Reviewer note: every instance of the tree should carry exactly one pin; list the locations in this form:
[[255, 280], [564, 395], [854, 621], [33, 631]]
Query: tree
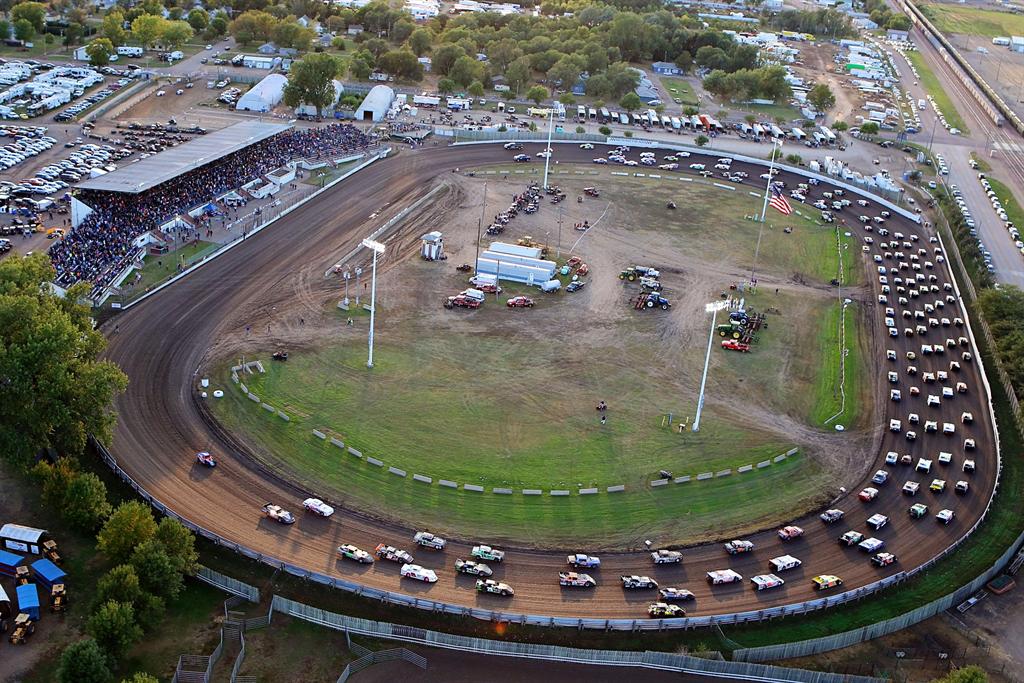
[[630, 102], [869, 128], [898, 22], [114, 629], [444, 58], [581, 129], [965, 674], [99, 51], [253, 26], [519, 72], [604, 130], [702, 140], [360, 68], [32, 12], [176, 33], [130, 525], [311, 81], [338, 43], [567, 98], [294, 35], [840, 126], [465, 70], [73, 33], [83, 662], [140, 677], [537, 93], [198, 19], [218, 25], [120, 584], [24, 30], [821, 97], [446, 86], [566, 71], [401, 64], [112, 28], [147, 28], [401, 30], [420, 41], [85, 502], [49, 353], [158, 572], [476, 89]]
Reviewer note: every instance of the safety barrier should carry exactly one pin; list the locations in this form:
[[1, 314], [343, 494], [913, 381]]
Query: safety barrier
[[371, 658]]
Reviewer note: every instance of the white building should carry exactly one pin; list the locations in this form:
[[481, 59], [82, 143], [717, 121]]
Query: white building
[[259, 62], [309, 110], [1017, 43], [421, 10], [376, 104], [265, 95]]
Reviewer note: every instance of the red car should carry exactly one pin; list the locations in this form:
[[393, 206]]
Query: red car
[[520, 302], [733, 345], [788, 533], [868, 494]]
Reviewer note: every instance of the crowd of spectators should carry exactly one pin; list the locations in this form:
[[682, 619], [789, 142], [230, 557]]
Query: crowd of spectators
[[102, 245]]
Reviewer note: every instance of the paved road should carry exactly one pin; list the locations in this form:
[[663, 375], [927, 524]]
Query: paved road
[[165, 340]]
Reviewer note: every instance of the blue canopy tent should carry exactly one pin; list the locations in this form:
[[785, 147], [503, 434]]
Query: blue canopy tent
[[8, 562], [28, 600], [47, 572]]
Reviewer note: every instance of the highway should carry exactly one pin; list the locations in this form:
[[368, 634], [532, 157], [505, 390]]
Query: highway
[[164, 342]]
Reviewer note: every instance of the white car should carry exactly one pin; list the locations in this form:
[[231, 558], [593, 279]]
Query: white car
[[697, 167], [765, 581], [318, 507], [414, 571], [600, 160], [429, 540], [586, 145]]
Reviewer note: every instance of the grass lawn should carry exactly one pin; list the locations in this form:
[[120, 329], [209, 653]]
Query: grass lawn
[[983, 165], [289, 645], [679, 88], [159, 267], [326, 175], [828, 398], [973, 21], [1009, 202], [936, 89]]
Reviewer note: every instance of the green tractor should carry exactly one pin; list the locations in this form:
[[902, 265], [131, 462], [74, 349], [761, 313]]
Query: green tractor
[[629, 274], [732, 329]]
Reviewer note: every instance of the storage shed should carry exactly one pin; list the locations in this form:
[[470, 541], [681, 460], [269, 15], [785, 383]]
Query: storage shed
[[432, 246], [28, 600], [47, 572], [24, 539], [265, 95], [376, 104], [515, 263], [9, 562]]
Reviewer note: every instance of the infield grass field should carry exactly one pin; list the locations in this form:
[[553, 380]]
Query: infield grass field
[[974, 21]]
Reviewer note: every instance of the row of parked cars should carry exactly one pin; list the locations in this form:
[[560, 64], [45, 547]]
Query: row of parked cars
[[80, 163], [23, 147], [95, 98], [1000, 210]]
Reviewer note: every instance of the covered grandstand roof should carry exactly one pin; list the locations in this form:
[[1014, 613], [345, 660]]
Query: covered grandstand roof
[[171, 163]]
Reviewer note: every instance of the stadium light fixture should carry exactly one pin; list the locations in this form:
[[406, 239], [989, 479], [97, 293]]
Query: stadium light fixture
[[713, 308], [376, 248]]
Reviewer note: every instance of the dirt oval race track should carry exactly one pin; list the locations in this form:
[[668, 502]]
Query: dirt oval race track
[[164, 340]]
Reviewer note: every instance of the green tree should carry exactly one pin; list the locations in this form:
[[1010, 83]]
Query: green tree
[[310, 81], [120, 584], [32, 12], [73, 33], [294, 35], [503, 52], [702, 140], [869, 128], [130, 525], [174, 34], [401, 30], [443, 58], [446, 86], [253, 26], [99, 51], [401, 64], [630, 102], [821, 97], [147, 28], [465, 70], [566, 71], [420, 41], [158, 572], [83, 662], [567, 98], [218, 25], [114, 629], [750, 118], [840, 126], [112, 28], [476, 89], [338, 44], [85, 502], [581, 129], [198, 19], [24, 30], [898, 22], [49, 353], [604, 130], [140, 677], [537, 93], [359, 68], [965, 674], [519, 72]]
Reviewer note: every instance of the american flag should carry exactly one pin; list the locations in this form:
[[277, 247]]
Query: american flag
[[779, 202]]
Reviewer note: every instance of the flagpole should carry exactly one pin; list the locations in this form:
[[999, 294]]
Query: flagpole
[[764, 209]]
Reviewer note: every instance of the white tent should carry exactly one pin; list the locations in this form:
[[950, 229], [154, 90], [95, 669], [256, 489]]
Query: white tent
[[265, 95]]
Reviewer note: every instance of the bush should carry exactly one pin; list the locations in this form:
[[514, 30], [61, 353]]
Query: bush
[[604, 130], [702, 140], [628, 133], [83, 662], [114, 628], [581, 129]]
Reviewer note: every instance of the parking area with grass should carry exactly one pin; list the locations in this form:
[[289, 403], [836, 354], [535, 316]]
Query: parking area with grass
[[934, 87]]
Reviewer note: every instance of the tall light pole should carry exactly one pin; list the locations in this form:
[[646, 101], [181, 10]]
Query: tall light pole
[[713, 309], [764, 207], [547, 156], [377, 248]]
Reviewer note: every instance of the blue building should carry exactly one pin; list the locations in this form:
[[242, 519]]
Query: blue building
[[666, 69]]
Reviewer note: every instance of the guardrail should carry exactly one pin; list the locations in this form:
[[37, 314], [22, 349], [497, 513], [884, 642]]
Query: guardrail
[[570, 622], [371, 658]]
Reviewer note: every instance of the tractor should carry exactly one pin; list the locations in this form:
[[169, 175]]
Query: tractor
[[21, 575], [654, 299], [50, 551], [58, 598], [731, 329], [23, 628]]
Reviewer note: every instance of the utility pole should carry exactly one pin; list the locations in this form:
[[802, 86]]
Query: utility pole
[[479, 227], [547, 156], [377, 248], [558, 250]]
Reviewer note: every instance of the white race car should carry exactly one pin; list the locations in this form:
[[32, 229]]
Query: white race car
[[429, 540], [318, 507], [414, 571]]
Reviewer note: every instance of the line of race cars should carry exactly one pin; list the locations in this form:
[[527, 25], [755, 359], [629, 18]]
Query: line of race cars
[[872, 546]]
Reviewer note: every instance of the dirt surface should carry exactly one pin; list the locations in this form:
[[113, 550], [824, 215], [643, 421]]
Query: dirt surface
[[161, 426]]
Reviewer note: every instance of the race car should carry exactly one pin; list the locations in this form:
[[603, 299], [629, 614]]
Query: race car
[[318, 507], [851, 537], [472, 568], [520, 302], [353, 553], [389, 552], [871, 545], [723, 576], [496, 587], [735, 547], [788, 533], [830, 516], [204, 458], [825, 581], [414, 571], [667, 556], [883, 559], [765, 581], [486, 552], [638, 582], [574, 580], [429, 540], [521, 158], [671, 594], [868, 494], [661, 609], [581, 561], [278, 514]]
